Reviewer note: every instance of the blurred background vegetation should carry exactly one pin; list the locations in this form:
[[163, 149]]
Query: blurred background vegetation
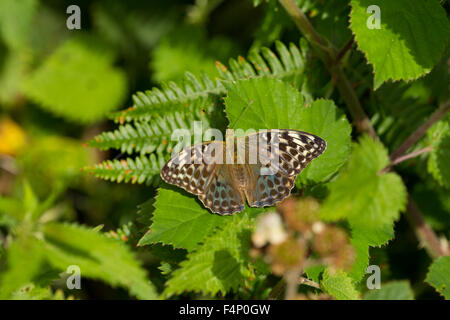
[[58, 86]]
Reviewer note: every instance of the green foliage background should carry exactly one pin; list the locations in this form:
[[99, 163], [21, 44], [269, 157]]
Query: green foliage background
[[78, 107]]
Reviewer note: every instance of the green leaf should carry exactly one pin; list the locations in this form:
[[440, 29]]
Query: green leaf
[[361, 246], [33, 292], [439, 160], [368, 199], [16, 21], [77, 82], [53, 160], [109, 259], [339, 285], [180, 220], [11, 211], [265, 103], [407, 45], [313, 272], [13, 68], [439, 276], [24, 261], [395, 290], [173, 55], [220, 264], [30, 200]]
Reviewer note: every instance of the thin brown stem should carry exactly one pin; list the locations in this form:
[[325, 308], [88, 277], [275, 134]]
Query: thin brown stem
[[280, 287], [345, 48], [410, 155], [406, 157], [308, 282], [360, 118], [420, 132], [277, 290], [425, 234], [307, 29], [327, 52]]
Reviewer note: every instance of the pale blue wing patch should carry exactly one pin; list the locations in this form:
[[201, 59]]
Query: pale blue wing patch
[[221, 196], [268, 189]]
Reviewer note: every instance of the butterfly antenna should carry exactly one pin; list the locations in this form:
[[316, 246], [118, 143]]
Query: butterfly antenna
[[242, 113], [118, 156]]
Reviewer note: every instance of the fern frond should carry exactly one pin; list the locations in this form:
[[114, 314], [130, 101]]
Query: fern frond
[[196, 93], [147, 137], [140, 170], [197, 107]]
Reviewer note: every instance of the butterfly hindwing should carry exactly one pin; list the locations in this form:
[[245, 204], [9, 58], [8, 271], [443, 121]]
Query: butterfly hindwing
[[266, 190], [222, 195]]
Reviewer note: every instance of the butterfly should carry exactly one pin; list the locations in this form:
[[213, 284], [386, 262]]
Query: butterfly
[[259, 167]]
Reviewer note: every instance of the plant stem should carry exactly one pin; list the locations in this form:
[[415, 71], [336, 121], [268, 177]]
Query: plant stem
[[277, 290], [345, 48], [426, 236], [420, 132], [308, 282], [411, 155], [307, 28], [406, 157], [360, 118], [327, 52]]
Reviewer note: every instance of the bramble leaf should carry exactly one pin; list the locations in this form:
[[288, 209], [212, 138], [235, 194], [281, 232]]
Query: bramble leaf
[[266, 103], [220, 264], [339, 285], [369, 199], [439, 276], [77, 82], [361, 246], [407, 45], [395, 290], [439, 160], [16, 21], [314, 272], [180, 220], [24, 251]]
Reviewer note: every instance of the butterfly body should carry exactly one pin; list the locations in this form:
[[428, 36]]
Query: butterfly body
[[260, 168]]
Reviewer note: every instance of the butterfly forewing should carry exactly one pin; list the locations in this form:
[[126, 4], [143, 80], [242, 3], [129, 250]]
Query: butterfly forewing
[[195, 170], [291, 149], [189, 169], [282, 155]]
